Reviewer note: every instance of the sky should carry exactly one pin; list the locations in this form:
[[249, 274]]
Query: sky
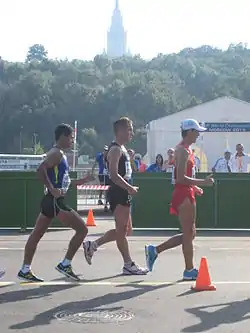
[[76, 29]]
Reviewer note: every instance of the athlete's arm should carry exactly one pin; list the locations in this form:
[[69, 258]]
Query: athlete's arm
[[82, 181], [52, 159], [181, 159], [113, 159]]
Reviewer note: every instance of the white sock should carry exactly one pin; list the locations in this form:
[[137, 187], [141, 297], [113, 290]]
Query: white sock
[[189, 270], [66, 262], [25, 269]]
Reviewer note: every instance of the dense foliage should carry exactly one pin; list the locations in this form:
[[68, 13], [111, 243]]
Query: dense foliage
[[38, 94]]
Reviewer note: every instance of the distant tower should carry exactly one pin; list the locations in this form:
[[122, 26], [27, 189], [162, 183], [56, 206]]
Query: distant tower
[[116, 36]]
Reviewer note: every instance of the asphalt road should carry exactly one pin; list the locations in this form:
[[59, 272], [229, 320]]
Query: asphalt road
[[104, 301]]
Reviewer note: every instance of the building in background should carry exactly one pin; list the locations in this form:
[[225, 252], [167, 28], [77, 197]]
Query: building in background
[[117, 36], [229, 122]]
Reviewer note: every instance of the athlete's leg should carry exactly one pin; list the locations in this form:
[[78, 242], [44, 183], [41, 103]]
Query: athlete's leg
[[187, 211], [71, 219], [129, 226], [152, 251], [187, 217], [123, 226], [110, 236], [41, 226], [122, 220]]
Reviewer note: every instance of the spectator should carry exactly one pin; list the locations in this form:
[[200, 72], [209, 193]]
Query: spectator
[[224, 164], [169, 163], [157, 166], [134, 163], [240, 160], [142, 165], [197, 162], [102, 173]]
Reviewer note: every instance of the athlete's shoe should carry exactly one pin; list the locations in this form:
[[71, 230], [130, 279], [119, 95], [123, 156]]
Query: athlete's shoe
[[151, 256], [28, 276], [190, 275], [89, 250], [2, 273], [67, 271], [134, 269]]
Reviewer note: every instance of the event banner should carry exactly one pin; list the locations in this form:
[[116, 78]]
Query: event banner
[[226, 127]]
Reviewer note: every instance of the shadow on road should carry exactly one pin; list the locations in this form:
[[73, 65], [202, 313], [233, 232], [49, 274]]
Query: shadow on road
[[227, 313], [30, 294], [93, 304]]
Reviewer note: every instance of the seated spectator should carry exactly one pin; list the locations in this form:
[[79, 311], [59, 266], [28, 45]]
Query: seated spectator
[[224, 164], [169, 163], [142, 165], [240, 160], [157, 166], [134, 163]]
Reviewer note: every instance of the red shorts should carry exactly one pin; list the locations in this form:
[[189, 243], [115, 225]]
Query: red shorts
[[179, 195]]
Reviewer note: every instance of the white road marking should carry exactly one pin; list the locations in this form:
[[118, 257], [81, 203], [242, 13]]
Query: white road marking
[[11, 248], [112, 283], [230, 248]]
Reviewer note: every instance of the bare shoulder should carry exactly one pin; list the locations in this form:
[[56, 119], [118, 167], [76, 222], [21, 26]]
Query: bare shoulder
[[53, 157], [114, 152], [181, 151]]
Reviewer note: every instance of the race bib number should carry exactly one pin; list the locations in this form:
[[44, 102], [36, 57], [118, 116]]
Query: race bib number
[[128, 169], [173, 178], [66, 182]]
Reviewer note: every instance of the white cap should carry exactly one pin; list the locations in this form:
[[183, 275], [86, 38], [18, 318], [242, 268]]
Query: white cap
[[189, 124], [227, 150]]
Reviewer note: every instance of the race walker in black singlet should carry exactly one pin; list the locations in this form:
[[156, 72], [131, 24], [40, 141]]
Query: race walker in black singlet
[[119, 193], [116, 194]]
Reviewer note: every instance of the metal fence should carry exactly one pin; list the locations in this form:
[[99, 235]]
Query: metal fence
[[93, 194]]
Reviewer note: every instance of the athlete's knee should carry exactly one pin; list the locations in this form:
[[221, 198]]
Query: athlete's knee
[[189, 232], [121, 229], [81, 229]]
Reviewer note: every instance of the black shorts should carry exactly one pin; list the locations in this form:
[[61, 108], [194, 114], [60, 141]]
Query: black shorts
[[103, 179], [118, 196], [50, 206]]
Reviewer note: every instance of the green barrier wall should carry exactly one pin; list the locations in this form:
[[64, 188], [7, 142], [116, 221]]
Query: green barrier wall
[[223, 206], [20, 197]]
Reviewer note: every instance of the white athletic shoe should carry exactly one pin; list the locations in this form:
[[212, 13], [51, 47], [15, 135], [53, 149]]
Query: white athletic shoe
[[134, 269], [89, 250]]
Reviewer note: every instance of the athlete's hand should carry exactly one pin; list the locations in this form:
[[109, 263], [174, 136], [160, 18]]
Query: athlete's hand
[[209, 181], [133, 190], [56, 192], [198, 190]]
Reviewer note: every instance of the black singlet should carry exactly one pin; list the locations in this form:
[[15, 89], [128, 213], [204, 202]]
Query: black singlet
[[124, 166]]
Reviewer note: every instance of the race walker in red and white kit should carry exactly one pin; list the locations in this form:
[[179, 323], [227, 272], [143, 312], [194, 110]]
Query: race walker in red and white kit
[[183, 203]]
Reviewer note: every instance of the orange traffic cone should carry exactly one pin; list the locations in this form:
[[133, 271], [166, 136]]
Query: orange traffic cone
[[203, 281], [90, 219]]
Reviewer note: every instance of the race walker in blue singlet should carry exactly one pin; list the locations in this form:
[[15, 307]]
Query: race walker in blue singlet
[[54, 174], [60, 179]]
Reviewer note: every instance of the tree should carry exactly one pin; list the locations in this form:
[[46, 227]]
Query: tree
[[36, 52], [37, 95]]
